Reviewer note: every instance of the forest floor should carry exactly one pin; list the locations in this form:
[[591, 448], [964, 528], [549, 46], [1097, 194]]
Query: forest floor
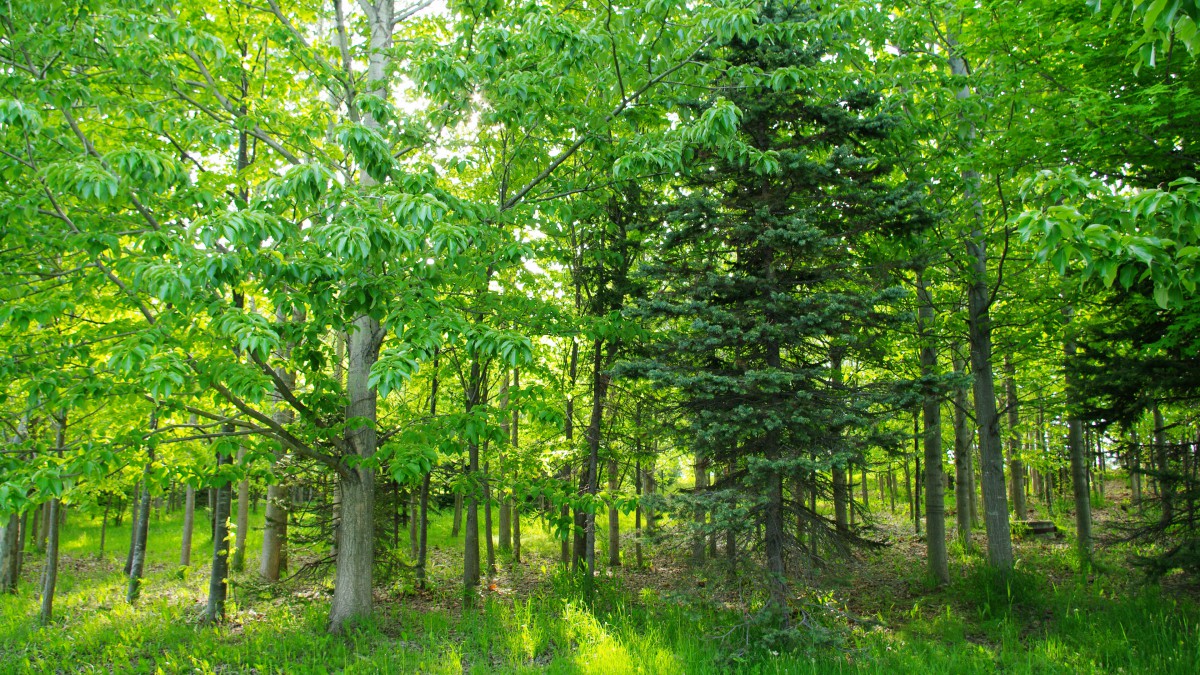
[[876, 613]]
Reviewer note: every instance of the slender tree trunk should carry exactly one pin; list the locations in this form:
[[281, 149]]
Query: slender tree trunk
[[515, 503], [243, 517], [504, 503], [935, 503], [141, 528], [1016, 467], [841, 492], [423, 531], [45, 527], [471, 566], [516, 524], [50, 576], [189, 519], [995, 498], [569, 436], [637, 513], [214, 611], [487, 519], [1166, 487], [701, 473], [1135, 470], [600, 381], [9, 552], [962, 459], [423, 525], [456, 522], [273, 558], [134, 524], [1083, 497], [414, 510], [103, 530], [614, 518]]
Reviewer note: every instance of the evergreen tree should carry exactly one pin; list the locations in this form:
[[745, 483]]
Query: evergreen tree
[[762, 308]]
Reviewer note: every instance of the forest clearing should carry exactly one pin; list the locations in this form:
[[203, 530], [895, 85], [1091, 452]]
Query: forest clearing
[[646, 336]]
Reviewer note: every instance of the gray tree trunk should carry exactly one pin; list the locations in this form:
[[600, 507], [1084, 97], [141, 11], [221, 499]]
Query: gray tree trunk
[[935, 505], [701, 473], [614, 518], [991, 452], [352, 595], [50, 576], [962, 460], [189, 519], [141, 531], [1079, 468], [9, 553], [1016, 467], [243, 518]]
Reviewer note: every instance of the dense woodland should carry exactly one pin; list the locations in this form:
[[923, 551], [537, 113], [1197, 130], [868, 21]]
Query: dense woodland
[[625, 336]]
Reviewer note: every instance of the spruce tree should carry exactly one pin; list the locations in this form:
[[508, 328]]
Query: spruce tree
[[759, 290]]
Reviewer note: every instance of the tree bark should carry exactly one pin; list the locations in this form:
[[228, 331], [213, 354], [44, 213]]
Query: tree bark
[[1166, 487], [600, 381], [1079, 482], [50, 576], [841, 495], [1016, 467], [214, 610], [504, 506], [935, 504], [243, 517], [352, 598], [141, 525], [614, 517], [701, 472], [189, 519], [423, 525], [962, 459], [991, 453], [9, 553]]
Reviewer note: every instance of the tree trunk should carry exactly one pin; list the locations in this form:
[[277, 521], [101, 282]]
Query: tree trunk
[[243, 517], [45, 527], [514, 505], [991, 453], [141, 528], [841, 495], [487, 519], [1166, 487], [962, 459], [600, 381], [614, 518], [189, 519], [701, 472], [103, 530], [356, 533], [935, 504], [505, 525], [1083, 496], [9, 553], [134, 524], [218, 577], [637, 513], [423, 525], [773, 532], [1016, 467], [50, 575], [471, 566]]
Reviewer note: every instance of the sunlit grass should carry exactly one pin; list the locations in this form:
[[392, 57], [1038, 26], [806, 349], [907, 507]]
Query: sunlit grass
[[1046, 619]]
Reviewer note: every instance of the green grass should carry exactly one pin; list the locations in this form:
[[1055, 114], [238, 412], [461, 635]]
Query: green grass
[[1043, 619]]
